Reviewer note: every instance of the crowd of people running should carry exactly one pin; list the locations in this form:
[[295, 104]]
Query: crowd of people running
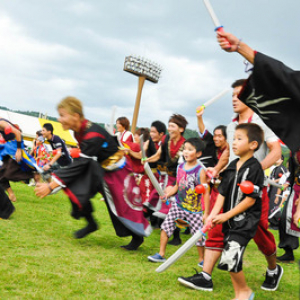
[[202, 179]]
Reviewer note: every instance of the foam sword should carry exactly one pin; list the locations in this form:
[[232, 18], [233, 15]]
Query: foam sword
[[184, 248], [149, 171], [213, 99], [218, 26]]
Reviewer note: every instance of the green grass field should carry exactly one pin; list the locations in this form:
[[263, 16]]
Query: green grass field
[[41, 260]]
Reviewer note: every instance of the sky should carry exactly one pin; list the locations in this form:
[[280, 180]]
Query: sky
[[58, 48]]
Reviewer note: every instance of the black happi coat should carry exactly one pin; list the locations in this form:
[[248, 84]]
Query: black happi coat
[[273, 92], [151, 151], [209, 155], [242, 227], [83, 178]]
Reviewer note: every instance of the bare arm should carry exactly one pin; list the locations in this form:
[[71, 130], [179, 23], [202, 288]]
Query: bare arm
[[241, 207], [278, 193], [218, 206], [171, 190], [236, 46], [155, 157], [44, 189], [53, 160], [223, 161], [134, 154], [199, 113], [206, 195], [273, 155]]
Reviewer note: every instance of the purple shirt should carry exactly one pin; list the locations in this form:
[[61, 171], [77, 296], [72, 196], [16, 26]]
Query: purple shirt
[[187, 180]]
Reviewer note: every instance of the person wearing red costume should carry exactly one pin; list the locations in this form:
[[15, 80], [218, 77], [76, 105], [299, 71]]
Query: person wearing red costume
[[102, 169], [134, 153], [170, 151], [157, 136], [215, 157], [123, 134]]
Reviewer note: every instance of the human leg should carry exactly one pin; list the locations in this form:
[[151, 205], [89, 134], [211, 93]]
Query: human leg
[[287, 241], [6, 186], [11, 195], [265, 241], [167, 229], [210, 259], [200, 253], [288, 256], [86, 212], [232, 261], [241, 289], [91, 227], [176, 238], [160, 257], [213, 249], [135, 242], [202, 281], [196, 222], [6, 206]]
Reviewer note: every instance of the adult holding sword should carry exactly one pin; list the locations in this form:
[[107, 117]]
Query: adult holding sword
[[215, 156]]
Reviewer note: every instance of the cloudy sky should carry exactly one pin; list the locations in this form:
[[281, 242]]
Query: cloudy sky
[[51, 49]]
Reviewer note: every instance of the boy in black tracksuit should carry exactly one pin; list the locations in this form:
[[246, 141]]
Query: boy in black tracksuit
[[241, 207]]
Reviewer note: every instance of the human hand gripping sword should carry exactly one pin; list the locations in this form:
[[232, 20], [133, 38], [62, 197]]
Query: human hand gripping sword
[[208, 174], [150, 173], [213, 99]]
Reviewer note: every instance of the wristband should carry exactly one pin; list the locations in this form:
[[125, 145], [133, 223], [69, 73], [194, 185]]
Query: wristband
[[144, 159], [238, 45], [50, 188], [19, 145]]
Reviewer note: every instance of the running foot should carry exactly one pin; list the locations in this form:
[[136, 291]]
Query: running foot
[[81, 233], [12, 198], [157, 258], [271, 282], [200, 264], [286, 258], [197, 282], [134, 244], [175, 242]]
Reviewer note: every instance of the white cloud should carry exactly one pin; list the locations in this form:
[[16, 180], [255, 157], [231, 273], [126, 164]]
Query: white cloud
[[80, 8], [18, 45], [78, 48]]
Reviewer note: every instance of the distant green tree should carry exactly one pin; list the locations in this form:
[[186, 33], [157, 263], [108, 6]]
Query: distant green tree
[[190, 133]]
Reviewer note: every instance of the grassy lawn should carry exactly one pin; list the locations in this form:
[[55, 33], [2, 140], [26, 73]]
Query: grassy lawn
[[41, 260]]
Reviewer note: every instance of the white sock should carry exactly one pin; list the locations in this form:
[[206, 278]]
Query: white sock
[[206, 276], [272, 272]]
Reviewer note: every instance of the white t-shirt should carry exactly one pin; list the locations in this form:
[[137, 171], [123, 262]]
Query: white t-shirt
[[269, 135]]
